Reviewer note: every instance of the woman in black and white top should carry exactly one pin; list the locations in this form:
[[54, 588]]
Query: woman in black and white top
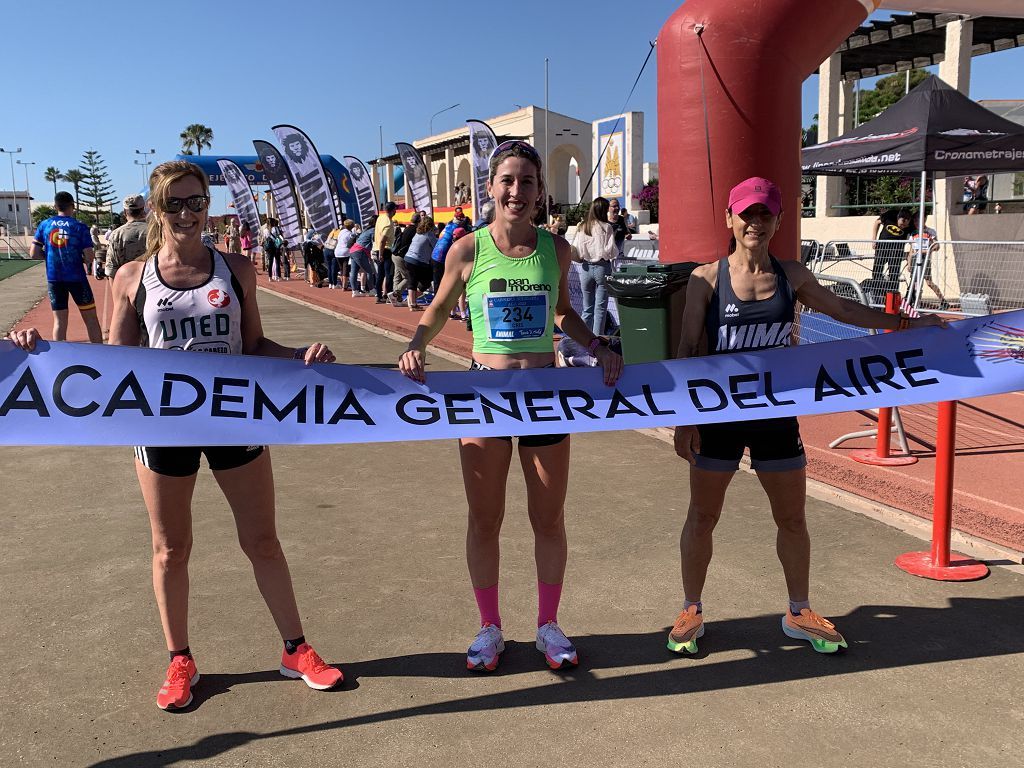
[[595, 243], [190, 297]]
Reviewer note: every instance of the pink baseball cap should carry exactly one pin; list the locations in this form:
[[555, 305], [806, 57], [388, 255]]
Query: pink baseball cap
[[755, 190]]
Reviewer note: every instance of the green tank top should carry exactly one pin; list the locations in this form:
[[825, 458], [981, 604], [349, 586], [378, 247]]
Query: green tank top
[[512, 301]]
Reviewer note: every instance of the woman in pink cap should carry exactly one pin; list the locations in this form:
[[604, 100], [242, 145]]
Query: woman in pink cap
[[741, 303]]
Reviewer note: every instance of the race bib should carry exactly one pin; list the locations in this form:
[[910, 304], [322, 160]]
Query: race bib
[[515, 316]]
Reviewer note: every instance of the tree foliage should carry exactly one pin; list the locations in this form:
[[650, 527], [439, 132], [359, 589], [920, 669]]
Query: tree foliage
[[196, 136], [53, 174], [74, 177], [887, 91], [649, 199], [41, 212], [97, 191]]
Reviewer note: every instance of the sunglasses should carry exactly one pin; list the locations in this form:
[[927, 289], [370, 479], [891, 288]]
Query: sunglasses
[[195, 203], [505, 146]]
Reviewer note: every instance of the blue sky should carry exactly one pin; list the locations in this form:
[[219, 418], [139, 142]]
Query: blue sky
[[116, 76]]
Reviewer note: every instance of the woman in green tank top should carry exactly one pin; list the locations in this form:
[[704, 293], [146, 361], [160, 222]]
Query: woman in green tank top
[[514, 276]]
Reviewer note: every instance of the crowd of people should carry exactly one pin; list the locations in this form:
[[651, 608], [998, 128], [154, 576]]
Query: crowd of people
[[466, 268]]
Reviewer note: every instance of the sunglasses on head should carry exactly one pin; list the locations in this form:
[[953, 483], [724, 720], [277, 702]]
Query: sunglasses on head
[[505, 146], [195, 203]]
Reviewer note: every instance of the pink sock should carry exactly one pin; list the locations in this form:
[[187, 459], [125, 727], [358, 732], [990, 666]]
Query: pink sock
[[548, 596], [487, 602]]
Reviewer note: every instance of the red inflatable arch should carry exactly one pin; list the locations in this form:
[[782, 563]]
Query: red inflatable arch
[[729, 80]]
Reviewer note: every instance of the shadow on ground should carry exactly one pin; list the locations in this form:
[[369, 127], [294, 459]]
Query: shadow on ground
[[881, 637]]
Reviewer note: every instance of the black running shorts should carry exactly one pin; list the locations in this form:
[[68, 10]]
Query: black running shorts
[[774, 444], [183, 462]]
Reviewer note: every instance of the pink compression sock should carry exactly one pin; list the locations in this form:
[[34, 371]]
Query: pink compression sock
[[548, 596], [487, 602]]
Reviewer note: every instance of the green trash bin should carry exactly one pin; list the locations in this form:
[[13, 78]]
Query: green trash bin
[[649, 296]]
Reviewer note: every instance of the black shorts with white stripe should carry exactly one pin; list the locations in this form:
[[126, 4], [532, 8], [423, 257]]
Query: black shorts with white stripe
[[183, 462]]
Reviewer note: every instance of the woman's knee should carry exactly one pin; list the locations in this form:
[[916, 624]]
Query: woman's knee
[[791, 522], [702, 520], [548, 523], [262, 547], [485, 524], [169, 555]]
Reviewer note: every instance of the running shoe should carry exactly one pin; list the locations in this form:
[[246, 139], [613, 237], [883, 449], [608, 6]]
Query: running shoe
[[306, 664], [558, 650], [817, 630], [688, 627], [486, 650], [176, 692]]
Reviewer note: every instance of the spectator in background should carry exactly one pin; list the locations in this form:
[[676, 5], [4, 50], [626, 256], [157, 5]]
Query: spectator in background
[[313, 257], [630, 221], [360, 260], [99, 252], [595, 243], [330, 244], [445, 238], [402, 242], [275, 249], [619, 228], [346, 236], [128, 242], [925, 244], [246, 241], [383, 241], [892, 240], [979, 196], [234, 238], [417, 260], [66, 245]]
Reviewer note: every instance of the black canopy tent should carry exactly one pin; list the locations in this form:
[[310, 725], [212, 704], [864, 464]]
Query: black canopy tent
[[933, 129]]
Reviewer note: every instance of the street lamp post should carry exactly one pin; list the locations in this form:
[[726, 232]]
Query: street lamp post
[[26, 164], [146, 162], [453, 106], [12, 153]]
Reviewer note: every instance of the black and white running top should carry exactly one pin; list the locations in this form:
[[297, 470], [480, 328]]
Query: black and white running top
[[207, 318], [734, 325]]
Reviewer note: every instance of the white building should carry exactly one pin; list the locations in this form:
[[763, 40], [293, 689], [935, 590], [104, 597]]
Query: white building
[[569, 147], [15, 213]]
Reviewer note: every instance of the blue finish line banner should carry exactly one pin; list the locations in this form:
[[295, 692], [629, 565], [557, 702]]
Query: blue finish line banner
[[83, 394]]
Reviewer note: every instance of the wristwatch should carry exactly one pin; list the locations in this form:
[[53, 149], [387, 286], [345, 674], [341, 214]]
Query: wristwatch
[[597, 341]]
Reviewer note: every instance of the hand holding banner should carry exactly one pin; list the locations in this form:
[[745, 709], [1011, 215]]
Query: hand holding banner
[[83, 394]]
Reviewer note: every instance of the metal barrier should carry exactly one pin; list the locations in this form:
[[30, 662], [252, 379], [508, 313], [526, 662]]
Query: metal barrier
[[640, 250], [955, 277], [809, 250], [9, 250]]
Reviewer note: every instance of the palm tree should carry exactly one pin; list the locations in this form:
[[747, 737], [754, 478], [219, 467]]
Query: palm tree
[[74, 177], [53, 174], [196, 135]]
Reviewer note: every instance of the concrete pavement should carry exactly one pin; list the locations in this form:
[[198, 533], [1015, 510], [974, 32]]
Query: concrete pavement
[[374, 535]]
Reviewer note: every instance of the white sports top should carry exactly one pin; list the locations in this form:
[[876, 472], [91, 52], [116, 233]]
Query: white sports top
[[207, 318]]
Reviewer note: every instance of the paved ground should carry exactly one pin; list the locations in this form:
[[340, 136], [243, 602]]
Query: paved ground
[[375, 539]]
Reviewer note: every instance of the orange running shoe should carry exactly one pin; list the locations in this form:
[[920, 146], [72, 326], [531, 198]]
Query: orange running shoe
[[688, 627], [176, 692], [817, 630], [306, 664]]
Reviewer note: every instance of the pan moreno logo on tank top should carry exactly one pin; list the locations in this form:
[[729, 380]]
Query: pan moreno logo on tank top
[[517, 284]]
